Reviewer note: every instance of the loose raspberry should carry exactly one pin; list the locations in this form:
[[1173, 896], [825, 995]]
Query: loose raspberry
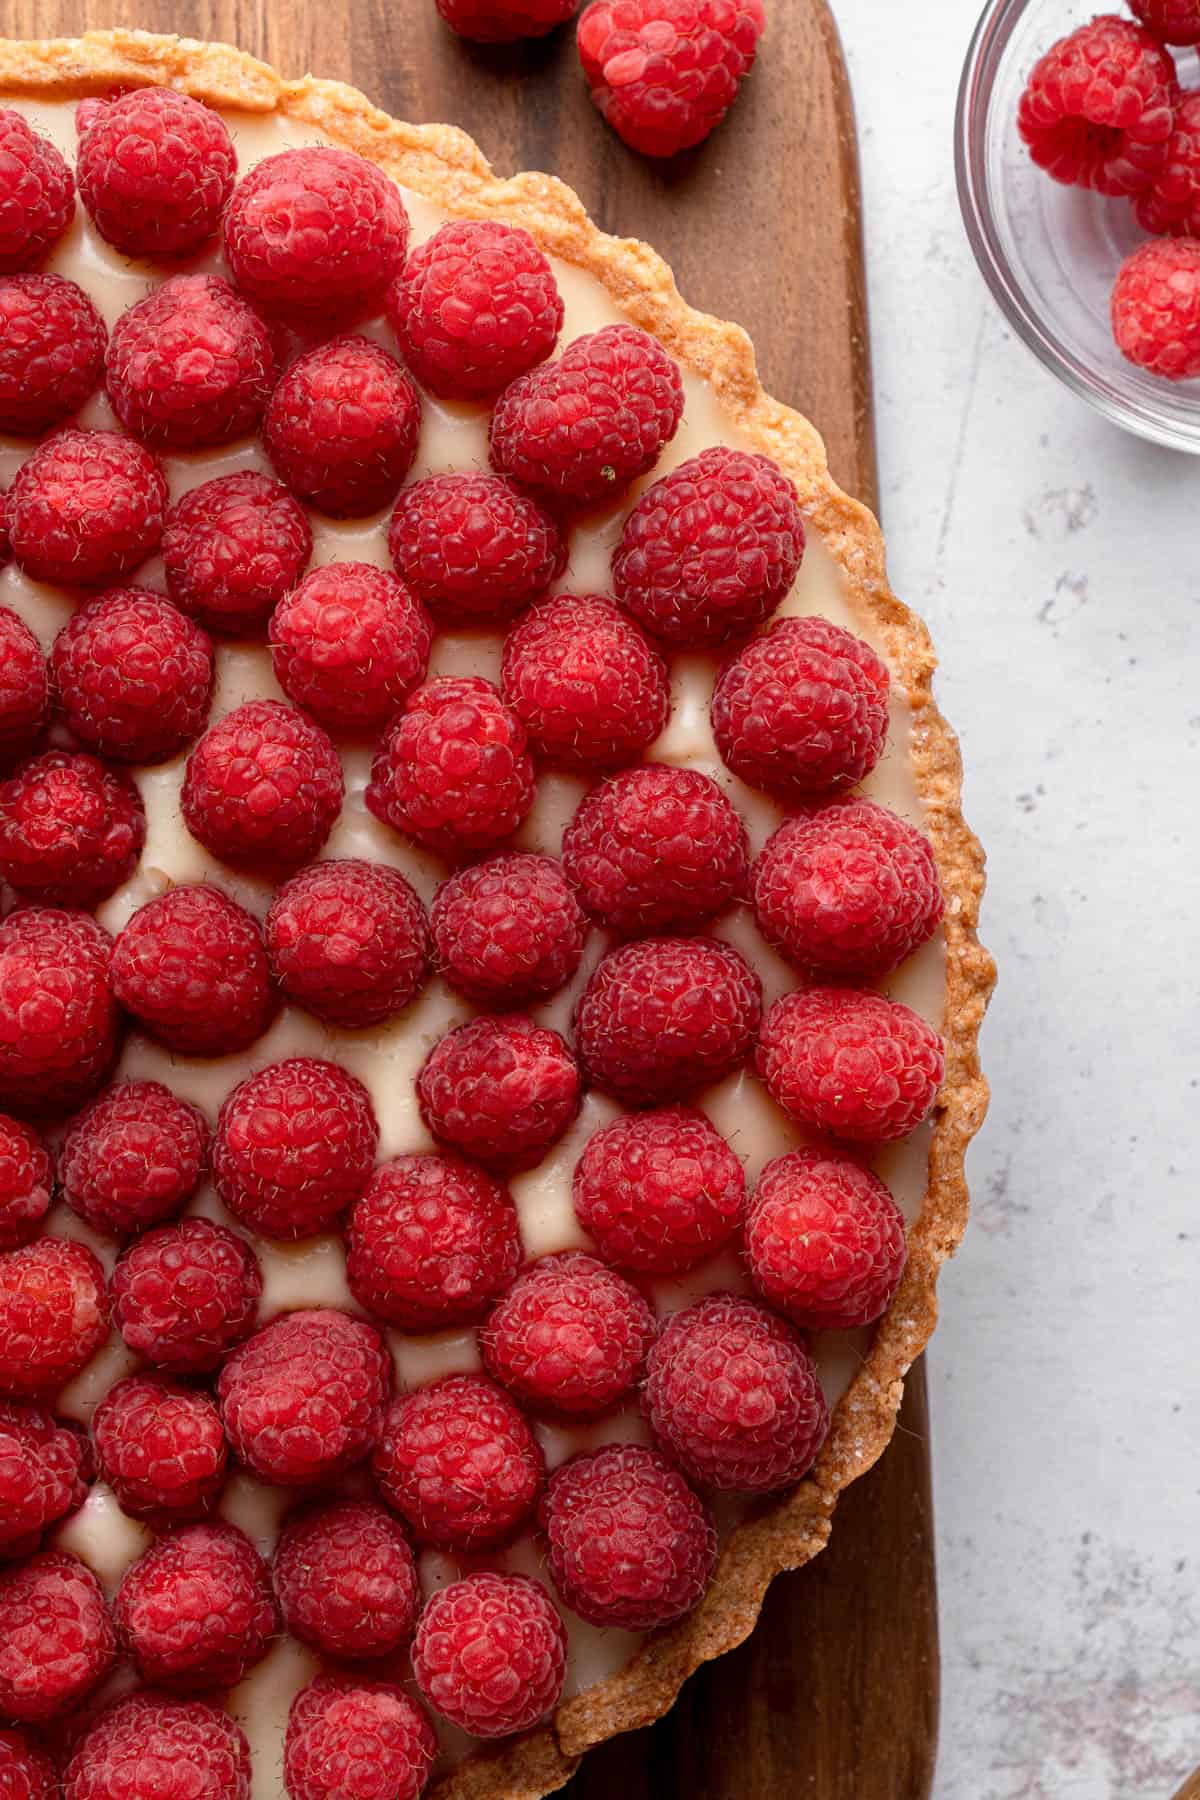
[[431, 1243], [86, 508], [732, 1395], [37, 194], [133, 1158], [349, 645], [504, 21], [134, 676], [43, 1477], [1171, 205], [155, 172], [71, 831], [348, 941], [452, 772], [501, 1090], [263, 786], [490, 1653], [24, 683], [341, 428], [356, 1740], [5, 546], [475, 306], [824, 1240], [191, 968], [232, 549], [664, 1016], [304, 1398], [26, 1183], [346, 1580], [853, 1065], [148, 1747], [161, 1448], [569, 1337], [196, 1610], [458, 1461], [294, 1146], [1156, 308], [185, 1294], [59, 1027], [26, 1772], [476, 549], [659, 1191], [57, 1642], [665, 72], [1097, 109], [53, 1316], [1170, 21], [51, 351], [509, 931], [630, 1544]]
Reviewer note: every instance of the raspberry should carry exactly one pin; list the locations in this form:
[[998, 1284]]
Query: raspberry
[[147, 1747], [349, 1739], [196, 1610], [1171, 21], [1156, 308], [263, 786], [294, 1146], [476, 549], [304, 1398], [458, 1461], [51, 351], [1171, 205], [133, 1157], [185, 1294], [341, 428], [431, 1242], [824, 1240], [500, 1089], [665, 72], [191, 968], [86, 508], [37, 194], [1097, 109], [71, 831], [26, 1183], [59, 1026], [134, 676], [659, 1191], [26, 1773], [732, 1395], [57, 1640], [490, 1653], [504, 21], [346, 1580], [42, 1479], [53, 1316], [475, 306], [569, 1337], [24, 683], [802, 710], [233, 548], [852, 1065], [349, 645], [155, 172], [349, 942], [316, 234], [452, 771], [629, 1543], [509, 931], [161, 1448], [664, 1016]]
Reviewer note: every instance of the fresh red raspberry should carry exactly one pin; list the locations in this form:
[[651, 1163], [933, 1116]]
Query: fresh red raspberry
[[431, 1243], [26, 1183], [24, 682], [802, 710], [294, 1146], [349, 644], [664, 1016], [197, 1610], [71, 831], [1097, 109], [191, 968], [26, 1772], [5, 546], [304, 1398], [148, 1747], [452, 771], [341, 428], [853, 1065], [509, 931], [1156, 308], [86, 508], [133, 1157], [476, 549], [659, 1191], [1171, 205], [346, 1580], [824, 1240], [350, 1739], [475, 306], [348, 941], [37, 194], [59, 1026], [504, 21], [185, 1294], [58, 1640], [134, 676], [53, 1316], [155, 172], [51, 351], [665, 72], [263, 786], [232, 549], [43, 1477], [490, 1653], [711, 549], [459, 1462], [629, 1543], [569, 1337], [1170, 21], [316, 234], [500, 1089], [161, 1448]]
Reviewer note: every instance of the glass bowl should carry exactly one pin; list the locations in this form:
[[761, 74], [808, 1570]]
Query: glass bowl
[[1050, 253]]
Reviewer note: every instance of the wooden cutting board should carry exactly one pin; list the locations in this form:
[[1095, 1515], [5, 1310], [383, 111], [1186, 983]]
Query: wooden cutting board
[[835, 1696]]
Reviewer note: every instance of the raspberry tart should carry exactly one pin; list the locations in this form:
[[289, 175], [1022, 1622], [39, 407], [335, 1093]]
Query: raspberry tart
[[488, 986]]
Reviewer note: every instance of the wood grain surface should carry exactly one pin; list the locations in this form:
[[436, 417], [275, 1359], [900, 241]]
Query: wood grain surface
[[835, 1696]]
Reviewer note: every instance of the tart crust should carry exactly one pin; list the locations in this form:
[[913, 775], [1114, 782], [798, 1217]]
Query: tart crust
[[448, 168]]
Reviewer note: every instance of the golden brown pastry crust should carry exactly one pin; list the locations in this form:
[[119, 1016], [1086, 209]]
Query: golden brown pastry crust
[[448, 168]]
